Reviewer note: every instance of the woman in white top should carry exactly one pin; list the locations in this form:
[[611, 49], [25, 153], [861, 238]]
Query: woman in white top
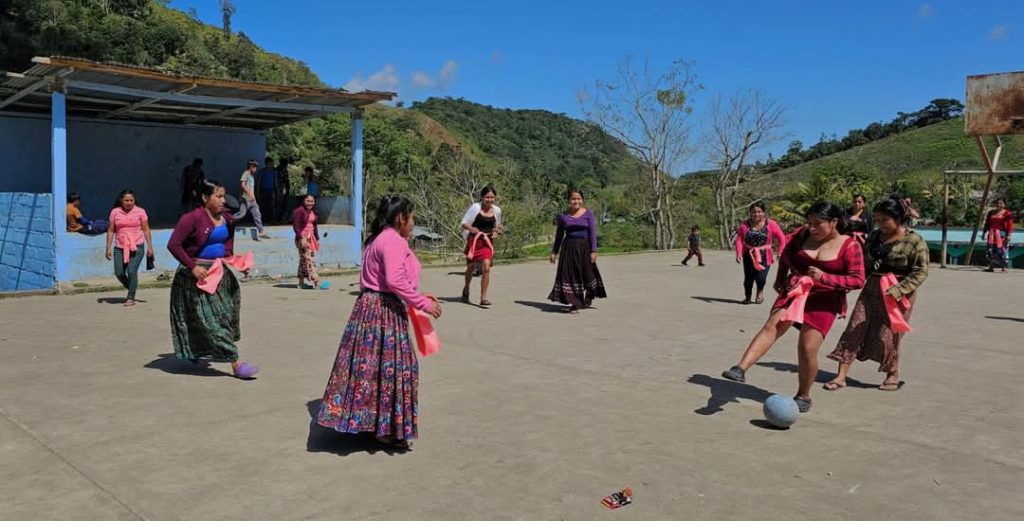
[[481, 222]]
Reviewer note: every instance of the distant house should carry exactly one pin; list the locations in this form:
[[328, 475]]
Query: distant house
[[425, 239]]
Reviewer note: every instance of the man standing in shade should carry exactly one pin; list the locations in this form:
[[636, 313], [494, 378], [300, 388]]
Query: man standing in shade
[[268, 187]]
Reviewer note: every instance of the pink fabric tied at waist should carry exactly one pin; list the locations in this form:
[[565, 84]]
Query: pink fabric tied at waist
[[757, 257], [798, 300], [128, 245], [426, 338], [892, 305], [314, 244], [471, 254], [216, 271], [996, 238]]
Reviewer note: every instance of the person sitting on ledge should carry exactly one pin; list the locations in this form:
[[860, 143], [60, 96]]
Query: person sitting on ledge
[[77, 222]]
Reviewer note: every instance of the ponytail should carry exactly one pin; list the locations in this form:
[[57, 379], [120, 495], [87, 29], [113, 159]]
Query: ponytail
[[389, 208]]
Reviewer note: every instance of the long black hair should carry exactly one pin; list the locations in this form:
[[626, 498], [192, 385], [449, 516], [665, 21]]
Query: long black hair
[[120, 197], [387, 211], [488, 190], [894, 206], [830, 212]]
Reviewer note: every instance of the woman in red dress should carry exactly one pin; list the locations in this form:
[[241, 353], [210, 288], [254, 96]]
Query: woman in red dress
[[818, 267], [998, 232]]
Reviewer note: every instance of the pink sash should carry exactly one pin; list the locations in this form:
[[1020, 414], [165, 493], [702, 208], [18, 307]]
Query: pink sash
[[757, 256], [314, 244], [995, 238], [892, 305], [128, 245], [426, 338], [471, 254], [797, 300], [216, 272]]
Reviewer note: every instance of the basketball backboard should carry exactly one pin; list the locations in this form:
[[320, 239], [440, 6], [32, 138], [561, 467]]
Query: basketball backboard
[[995, 104]]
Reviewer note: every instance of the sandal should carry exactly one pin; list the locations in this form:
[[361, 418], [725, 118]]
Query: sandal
[[891, 386], [129, 303], [485, 302], [760, 300], [736, 374], [834, 385], [803, 403], [745, 301]]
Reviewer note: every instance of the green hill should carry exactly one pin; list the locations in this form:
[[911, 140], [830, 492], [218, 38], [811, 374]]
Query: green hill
[[910, 162]]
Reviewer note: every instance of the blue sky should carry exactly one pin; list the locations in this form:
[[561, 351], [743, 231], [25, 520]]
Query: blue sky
[[835, 65]]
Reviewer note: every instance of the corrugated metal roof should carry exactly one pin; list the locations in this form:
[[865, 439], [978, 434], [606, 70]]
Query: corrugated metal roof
[[118, 91]]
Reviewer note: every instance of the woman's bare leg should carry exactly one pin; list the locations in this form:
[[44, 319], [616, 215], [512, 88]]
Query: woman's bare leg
[[807, 354], [485, 280], [772, 330]]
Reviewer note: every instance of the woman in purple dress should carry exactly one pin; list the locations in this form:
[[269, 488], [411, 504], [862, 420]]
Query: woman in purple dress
[[577, 282]]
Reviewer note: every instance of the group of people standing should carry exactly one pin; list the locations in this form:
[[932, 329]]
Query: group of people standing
[[833, 253]]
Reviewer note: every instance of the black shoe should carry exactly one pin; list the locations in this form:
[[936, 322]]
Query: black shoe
[[804, 404], [736, 374]]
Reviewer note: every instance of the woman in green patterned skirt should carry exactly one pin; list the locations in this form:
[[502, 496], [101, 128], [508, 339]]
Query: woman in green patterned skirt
[[204, 325]]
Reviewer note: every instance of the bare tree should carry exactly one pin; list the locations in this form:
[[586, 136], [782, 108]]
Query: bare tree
[[738, 127], [649, 112], [227, 8]]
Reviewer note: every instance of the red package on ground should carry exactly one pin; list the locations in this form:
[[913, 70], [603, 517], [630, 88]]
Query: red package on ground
[[618, 499]]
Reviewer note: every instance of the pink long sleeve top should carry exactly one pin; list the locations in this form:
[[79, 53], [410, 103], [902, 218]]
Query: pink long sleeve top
[[774, 235], [390, 266]]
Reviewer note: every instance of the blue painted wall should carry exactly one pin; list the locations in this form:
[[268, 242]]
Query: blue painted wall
[[107, 157], [26, 242], [274, 256]]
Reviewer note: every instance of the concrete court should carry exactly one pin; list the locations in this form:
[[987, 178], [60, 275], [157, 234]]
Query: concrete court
[[525, 414]]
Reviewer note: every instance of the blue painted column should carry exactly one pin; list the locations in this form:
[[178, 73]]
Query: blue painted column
[[356, 202], [59, 183]]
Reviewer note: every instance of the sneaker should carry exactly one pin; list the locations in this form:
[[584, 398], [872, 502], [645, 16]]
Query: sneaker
[[736, 374], [802, 403]]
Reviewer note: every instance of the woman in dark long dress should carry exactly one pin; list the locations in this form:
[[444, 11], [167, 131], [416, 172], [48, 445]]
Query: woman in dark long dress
[[577, 281], [897, 265]]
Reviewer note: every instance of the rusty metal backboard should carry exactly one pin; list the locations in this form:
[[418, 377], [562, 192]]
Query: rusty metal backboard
[[995, 104]]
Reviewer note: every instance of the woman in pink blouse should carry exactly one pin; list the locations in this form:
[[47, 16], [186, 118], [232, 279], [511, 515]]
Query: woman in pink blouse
[[754, 250], [129, 225], [373, 386]]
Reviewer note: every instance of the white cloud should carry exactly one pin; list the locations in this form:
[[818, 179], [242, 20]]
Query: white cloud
[[999, 32], [444, 78], [925, 10], [386, 79]]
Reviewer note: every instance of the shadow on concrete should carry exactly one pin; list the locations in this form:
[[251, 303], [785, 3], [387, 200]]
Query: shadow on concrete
[[322, 439], [763, 424], [822, 377], [287, 286], [458, 300], [1011, 319], [547, 307], [169, 364], [718, 300], [117, 300], [725, 391]]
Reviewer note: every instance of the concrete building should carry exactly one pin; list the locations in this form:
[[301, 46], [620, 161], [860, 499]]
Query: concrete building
[[72, 125]]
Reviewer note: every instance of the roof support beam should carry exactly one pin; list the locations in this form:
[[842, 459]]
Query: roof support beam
[[218, 115], [143, 103], [23, 92], [205, 100]]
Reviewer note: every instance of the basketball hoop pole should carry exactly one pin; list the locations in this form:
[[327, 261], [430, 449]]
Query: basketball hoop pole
[[991, 163]]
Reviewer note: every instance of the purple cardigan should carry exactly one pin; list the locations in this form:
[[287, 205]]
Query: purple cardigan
[[299, 217], [582, 227], [191, 233]]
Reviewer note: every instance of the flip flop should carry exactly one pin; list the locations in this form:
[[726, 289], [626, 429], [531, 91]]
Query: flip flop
[[888, 387], [485, 302], [833, 385]]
